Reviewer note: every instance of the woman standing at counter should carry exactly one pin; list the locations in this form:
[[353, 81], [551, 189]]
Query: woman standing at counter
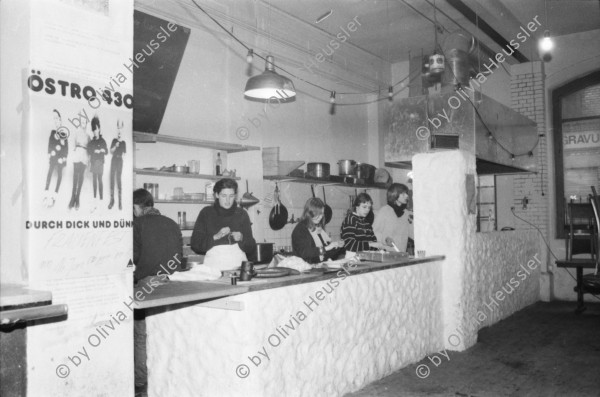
[[393, 223], [357, 233], [310, 241], [223, 224]]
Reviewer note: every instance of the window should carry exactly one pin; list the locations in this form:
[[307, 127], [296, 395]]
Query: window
[[576, 123]]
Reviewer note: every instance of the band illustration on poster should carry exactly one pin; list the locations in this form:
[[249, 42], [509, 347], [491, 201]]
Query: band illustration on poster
[[84, 173], [89, 153], [75, 180]]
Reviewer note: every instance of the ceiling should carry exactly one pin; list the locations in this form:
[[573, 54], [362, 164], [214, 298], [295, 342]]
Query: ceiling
[[393, 29]]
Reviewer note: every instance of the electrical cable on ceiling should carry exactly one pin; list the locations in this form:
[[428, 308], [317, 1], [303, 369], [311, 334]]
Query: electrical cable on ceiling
[[286, 71], [425, 16]]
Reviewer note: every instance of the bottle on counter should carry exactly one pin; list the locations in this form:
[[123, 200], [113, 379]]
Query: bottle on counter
[[218, 164], [179, 218]]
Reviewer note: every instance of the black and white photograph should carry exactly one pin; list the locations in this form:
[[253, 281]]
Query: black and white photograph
[[311, 198]]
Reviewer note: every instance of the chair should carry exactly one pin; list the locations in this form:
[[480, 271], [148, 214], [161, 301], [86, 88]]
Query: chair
[[583, 237], [580, 230], [591, 282]]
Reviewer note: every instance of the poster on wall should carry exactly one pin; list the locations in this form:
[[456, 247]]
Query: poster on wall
[[79, 216], [76, 227]]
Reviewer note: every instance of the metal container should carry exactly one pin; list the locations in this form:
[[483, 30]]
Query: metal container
[[264, 253], [317, 170], [366, 172], [347, 167]]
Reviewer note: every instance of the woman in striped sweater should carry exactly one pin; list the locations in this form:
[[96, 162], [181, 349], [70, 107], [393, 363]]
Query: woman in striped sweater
[[357, 233]]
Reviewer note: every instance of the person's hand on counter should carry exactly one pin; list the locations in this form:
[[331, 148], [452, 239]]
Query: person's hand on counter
[[222, 233]]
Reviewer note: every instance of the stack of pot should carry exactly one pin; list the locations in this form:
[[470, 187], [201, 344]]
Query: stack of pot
[[357, 170]]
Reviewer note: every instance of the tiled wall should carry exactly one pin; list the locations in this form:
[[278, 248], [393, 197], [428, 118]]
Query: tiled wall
[[527, 95]]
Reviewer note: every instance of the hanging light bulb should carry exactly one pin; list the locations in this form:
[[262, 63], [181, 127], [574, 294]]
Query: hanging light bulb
[[269, 84], [391, 93], [332, 101], [250, 55], [545, 46]]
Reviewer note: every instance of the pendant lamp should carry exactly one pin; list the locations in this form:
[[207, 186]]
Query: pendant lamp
[[269, 84]]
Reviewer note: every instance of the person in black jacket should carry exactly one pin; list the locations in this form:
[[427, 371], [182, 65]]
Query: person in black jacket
[[310, 241], [157, 252]]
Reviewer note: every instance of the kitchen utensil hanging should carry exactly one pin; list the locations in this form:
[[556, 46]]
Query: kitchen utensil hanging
[[279, 214], [248, 199], [328, 212]]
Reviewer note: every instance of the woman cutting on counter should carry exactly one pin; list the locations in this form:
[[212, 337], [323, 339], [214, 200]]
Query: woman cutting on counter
[[357, 233], [393, 223], [310, 241], [222, 231]]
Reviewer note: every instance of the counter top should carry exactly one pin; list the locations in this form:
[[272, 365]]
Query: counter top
[[175, 292], [20, 304], [12, 295]]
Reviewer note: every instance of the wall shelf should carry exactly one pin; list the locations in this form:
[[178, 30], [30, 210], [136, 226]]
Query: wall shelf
[[183, 201], [141, 171], [144, 137], [323, 182]]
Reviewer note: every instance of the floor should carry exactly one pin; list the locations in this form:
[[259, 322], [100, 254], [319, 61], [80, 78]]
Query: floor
[[543, 350]]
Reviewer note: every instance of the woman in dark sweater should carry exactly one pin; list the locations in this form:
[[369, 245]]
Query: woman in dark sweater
[[357, 233], [309, 239], [223, 223]]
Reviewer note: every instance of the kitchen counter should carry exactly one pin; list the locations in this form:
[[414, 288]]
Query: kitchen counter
[[20, 304], [176, 292], [280, 336]]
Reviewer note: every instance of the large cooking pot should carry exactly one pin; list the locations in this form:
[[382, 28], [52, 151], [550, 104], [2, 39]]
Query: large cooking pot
[[366, 172], [347, 167], [264, 253], [317, 170]]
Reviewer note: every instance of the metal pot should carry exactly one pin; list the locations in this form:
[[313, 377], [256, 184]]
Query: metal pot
[[264, 253], [317, 170], [366, 172], [182, 169], [347, 167]]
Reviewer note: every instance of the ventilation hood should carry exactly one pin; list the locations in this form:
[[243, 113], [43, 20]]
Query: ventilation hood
[[459, 120]]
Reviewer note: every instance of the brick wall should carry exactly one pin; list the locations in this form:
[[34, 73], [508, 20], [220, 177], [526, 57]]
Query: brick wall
[[527, 97]]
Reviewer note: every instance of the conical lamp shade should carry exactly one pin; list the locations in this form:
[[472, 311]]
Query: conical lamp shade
[[269, 85]]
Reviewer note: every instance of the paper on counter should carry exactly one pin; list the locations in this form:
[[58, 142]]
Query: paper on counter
[[197, 273]]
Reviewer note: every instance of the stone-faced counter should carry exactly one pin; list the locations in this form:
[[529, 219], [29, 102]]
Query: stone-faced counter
[[306, 335]]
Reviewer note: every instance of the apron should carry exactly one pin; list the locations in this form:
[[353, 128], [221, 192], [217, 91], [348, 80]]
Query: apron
[[225, 257]]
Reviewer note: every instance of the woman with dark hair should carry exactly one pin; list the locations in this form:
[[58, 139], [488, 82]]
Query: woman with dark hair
[[357, 233], [310, 241], [393, 223], [97, 149], [222, 225]]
